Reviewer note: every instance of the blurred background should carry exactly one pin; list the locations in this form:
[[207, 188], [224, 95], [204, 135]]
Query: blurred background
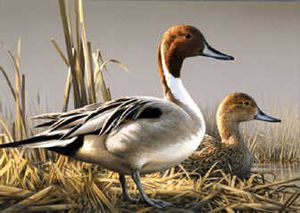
[[263, 36]]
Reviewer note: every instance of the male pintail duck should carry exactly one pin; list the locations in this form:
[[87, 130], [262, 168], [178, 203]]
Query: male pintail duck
[[231, 153], [135, 135]]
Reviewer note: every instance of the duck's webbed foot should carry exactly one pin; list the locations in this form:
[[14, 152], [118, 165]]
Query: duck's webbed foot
[[153, 202], [158, 203]]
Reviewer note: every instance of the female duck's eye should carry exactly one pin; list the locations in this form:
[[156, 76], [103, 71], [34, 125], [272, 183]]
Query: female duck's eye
[[188, 36], [247, 103]]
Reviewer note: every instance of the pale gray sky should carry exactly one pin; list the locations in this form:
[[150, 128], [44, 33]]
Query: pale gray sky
[[264, 37]]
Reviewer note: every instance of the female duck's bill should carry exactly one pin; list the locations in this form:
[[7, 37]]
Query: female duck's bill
[[264, 117]]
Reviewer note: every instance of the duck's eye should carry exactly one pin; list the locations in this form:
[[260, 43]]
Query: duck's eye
[[188, 36], [247, 103]]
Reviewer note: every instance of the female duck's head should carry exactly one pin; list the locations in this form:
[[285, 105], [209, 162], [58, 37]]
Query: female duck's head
[[239, 107]]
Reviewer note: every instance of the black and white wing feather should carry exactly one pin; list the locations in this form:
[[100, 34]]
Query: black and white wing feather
[[100, 119]]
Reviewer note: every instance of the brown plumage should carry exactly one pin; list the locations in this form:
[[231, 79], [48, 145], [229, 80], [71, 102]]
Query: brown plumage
[[231, 154]]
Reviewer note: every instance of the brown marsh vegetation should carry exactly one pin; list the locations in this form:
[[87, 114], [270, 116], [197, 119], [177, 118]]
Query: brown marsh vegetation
[[35, 180]]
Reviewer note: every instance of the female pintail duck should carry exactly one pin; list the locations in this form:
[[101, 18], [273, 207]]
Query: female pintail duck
[[136, 135], [231, 153]]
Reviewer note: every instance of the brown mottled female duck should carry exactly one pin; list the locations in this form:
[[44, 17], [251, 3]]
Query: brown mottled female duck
[[231, 153]]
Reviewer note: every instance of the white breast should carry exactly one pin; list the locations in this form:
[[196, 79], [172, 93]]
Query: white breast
[[171, 155]]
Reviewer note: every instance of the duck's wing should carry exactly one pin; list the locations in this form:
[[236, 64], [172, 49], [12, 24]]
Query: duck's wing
[[110, 116], [99, 119], [49, 119], [208, 149]]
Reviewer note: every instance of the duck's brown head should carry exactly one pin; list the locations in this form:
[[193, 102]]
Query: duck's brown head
[[183, 41], [177, 43], [239, 107]]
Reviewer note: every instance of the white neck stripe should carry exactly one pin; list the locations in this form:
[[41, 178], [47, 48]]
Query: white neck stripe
[[176, 86]]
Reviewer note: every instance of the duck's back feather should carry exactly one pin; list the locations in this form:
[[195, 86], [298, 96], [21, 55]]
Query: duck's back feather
[[231, 159]]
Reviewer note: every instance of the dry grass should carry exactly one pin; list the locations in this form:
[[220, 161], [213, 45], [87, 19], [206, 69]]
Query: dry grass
[[67, 184], [39, 181], [84, 72]]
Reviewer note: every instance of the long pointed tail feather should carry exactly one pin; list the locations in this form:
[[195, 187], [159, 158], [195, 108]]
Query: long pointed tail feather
[[40, 141]]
